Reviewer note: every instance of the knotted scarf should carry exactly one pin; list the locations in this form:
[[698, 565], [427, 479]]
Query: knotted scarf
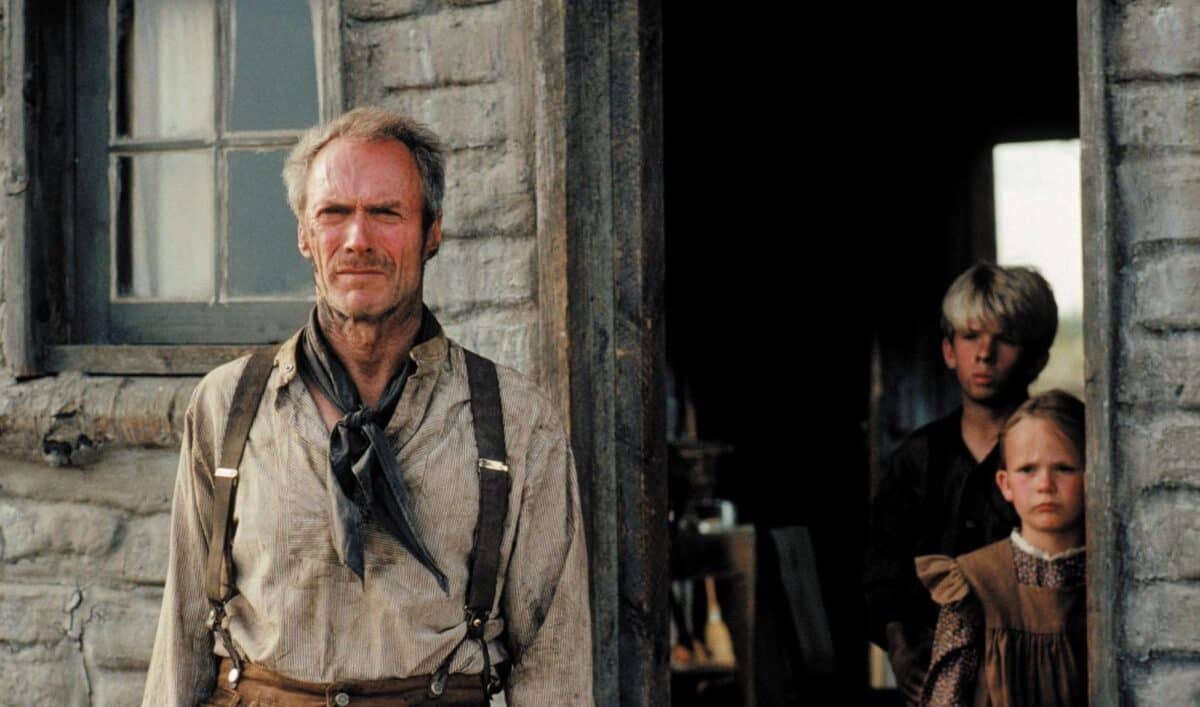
[[361, 459]]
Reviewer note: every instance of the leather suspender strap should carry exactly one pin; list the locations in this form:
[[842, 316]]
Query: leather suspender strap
[[494, 485], [219, 582]]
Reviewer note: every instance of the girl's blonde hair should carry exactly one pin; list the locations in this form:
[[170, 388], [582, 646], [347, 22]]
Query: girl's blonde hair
[[1058, 406]]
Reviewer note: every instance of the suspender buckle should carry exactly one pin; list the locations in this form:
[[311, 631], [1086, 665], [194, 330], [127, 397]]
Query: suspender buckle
[[493, 465], [226, 472], [475, 622]]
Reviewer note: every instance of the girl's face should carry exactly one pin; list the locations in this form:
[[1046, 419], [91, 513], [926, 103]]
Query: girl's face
[[1043, 479]]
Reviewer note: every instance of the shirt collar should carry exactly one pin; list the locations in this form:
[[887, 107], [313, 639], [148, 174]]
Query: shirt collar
[[428, 355]]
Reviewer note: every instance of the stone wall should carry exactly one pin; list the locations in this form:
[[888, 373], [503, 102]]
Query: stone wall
[[1141, 62], [87, 464], [462, 67]]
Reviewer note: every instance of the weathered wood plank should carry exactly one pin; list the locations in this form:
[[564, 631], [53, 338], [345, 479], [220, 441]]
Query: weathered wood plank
[[135, 360], [640, 346], [1100, 303], [20, 346]]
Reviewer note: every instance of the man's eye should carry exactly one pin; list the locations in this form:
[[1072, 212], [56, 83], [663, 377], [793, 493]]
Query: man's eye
[[1025, 469], [331, 213], [386, 215]]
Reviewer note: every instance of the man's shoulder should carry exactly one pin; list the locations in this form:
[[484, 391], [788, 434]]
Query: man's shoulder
[[519, 394], [931, 436], [213, 395], [216, 387]]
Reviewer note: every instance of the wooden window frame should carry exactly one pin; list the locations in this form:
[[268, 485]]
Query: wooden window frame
[[39, 285]]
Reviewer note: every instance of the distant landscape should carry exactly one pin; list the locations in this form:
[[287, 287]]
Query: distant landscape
[[1065, 369]]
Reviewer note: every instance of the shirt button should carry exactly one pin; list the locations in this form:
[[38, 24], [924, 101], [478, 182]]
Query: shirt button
[[341, 699]]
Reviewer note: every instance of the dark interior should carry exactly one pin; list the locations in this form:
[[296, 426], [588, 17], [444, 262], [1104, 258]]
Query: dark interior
[[825, 180]]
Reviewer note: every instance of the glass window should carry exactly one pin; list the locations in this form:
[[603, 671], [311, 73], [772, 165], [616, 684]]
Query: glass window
[[183, 202]]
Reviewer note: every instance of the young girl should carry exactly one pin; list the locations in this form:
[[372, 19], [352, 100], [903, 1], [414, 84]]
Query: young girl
[[1012, 625]]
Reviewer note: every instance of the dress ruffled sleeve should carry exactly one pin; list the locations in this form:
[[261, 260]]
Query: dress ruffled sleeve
[[957, 640], [943, 578]]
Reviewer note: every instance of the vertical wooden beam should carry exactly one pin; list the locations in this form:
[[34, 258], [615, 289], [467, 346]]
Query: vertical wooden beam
[[1100, 347], [640, 347], [20, 346], [598, 161], [549, 140], [589, 280]]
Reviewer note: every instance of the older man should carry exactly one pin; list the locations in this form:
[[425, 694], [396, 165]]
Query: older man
[[340, 501]]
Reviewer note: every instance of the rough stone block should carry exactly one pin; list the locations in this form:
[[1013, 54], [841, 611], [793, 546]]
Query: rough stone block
[[1166, 292], [1161, 616], [117, 688], [464, 116], [44, 677], [449, 47], [142, 556], [487, 192], [1157, 114], [119, 630], [1159, 369], [1161, 535], [35, 613], [380, 9], [1158, 449], [32, 529], [1160, 197], [470, 272], [1156, 39], [135, 480], [507, 337], [1167, 684]]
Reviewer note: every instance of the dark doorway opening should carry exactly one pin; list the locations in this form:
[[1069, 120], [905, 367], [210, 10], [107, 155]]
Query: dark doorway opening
[[825, 181]]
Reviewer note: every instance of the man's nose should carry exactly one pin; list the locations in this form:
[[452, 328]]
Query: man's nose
[[987, 348], [1044, 481], [357, 234]]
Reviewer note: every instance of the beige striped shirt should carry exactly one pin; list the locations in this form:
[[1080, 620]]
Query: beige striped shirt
[[300, 613]]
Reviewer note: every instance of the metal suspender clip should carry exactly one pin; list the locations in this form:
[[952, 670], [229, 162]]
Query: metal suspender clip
[[218, 623], [493, 465], [227, 473]]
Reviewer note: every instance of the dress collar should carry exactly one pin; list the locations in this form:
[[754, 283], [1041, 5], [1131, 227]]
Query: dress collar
[[1026, 547]]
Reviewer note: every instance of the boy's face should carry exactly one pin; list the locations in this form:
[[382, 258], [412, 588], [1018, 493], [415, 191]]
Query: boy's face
[[987, 362], [1042, 476]]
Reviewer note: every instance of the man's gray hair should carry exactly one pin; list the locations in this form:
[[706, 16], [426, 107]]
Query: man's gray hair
[[371, 124]]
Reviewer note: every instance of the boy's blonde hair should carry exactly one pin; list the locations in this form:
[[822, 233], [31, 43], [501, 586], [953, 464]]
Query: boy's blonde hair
[[1059, 407], [1016, 299]]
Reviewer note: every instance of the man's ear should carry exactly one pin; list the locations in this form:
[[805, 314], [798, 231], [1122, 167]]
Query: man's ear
[[1002, 482], [948, 353], [302, 242], [433, 239]]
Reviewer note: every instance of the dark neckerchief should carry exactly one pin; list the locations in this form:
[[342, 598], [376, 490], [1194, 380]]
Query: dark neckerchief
[[361, 460]]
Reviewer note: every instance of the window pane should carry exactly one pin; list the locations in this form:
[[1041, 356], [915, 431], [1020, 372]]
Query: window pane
[[274, 81], [165, 68], [263, 259], [165, 226]]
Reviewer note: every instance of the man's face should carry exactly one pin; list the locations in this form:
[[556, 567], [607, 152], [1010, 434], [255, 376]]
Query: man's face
[[986, 361], [1042, 477], [361, 229]]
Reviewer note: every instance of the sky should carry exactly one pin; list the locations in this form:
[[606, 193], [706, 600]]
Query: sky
[[1038, 214]]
